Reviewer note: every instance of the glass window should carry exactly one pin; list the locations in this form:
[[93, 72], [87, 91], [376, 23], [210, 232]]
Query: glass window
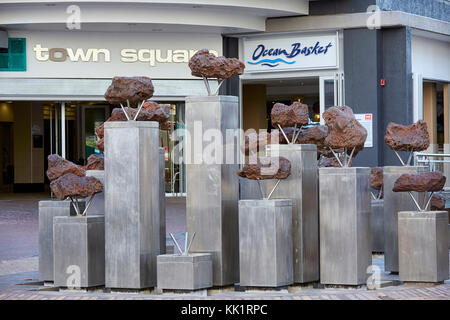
[[15, 58], [175, 172]]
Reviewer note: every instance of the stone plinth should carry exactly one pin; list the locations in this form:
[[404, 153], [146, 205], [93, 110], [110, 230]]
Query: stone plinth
[[377, 225], [132, 203], [97, 206], [395, 202], [79, 250], [265, 243], [302, 187], [345, 241], [213, 187], [185, 272], [48, 209], [423, 246]]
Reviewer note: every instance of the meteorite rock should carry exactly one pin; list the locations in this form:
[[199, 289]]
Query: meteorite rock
[[205, 64], [156, 112], [58, 166], [426, 182], [267, 168], [151, 111], [101, 144], [133, 89], [408, 138], [100, 131], [331, 161], [314, 135], [437, 203], [70, 185], [344, 131], [256, 142], [376, 178], [289, 116], [95, 162]]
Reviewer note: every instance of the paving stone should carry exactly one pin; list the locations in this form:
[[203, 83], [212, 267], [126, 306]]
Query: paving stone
[[18, 265]]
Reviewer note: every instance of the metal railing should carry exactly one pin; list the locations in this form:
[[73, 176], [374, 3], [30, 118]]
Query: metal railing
[[435, 162]]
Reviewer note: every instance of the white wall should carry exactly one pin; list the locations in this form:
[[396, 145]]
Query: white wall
[[114, 42], [431, 58]]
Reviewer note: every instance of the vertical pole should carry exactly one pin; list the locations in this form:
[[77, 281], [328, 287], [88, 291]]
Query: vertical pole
[[429, 113], [56, 132], [63, 129], [447, 129], [51, 129]]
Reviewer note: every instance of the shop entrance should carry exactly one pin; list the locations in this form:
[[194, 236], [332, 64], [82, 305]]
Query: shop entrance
[[259, 96], [436, 113], [6, 157], [32, 130]]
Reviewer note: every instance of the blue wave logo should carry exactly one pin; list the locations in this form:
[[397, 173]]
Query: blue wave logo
[[271, 62]]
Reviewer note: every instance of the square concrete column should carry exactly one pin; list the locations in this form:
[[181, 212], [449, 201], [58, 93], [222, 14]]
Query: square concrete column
[[377, 225], [265, 243], [97, 206], [345, 241], [213, 187], [302, 187], [48, 209], [423, 247], [162, 200], [185, 272], [79, 249], [395, 202], [132, 203]]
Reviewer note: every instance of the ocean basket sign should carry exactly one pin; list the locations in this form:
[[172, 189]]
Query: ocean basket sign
[[300, 52]]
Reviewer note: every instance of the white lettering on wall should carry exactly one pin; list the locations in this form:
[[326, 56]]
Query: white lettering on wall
[[128, 55]]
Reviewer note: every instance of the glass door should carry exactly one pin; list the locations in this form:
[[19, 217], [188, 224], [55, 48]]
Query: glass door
[[175, 172], [92, 117], [331, 91]]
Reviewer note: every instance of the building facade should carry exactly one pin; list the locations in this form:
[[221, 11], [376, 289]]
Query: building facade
[[388, 60], [58, 58]]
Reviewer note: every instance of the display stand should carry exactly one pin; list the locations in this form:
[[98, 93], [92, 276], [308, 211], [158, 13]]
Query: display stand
[[132, 203], [265, 243], [345, 245]]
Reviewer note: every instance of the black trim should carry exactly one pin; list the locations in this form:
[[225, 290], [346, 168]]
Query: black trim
[[28, 187]]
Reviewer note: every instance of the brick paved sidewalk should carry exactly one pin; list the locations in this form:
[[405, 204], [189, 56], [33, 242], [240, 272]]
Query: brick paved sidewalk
[[25, 286], [19, 265]]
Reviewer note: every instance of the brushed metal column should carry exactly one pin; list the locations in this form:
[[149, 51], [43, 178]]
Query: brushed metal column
[[48, 209], [302, 188], [213, 189], [423, 248], [377, 225], [345, 242], [98, 203], [395, 202], [79, 241], [265, 243], [162, 200], [132, 204]]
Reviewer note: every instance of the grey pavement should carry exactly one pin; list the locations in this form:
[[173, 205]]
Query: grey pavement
[[19, 265]]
